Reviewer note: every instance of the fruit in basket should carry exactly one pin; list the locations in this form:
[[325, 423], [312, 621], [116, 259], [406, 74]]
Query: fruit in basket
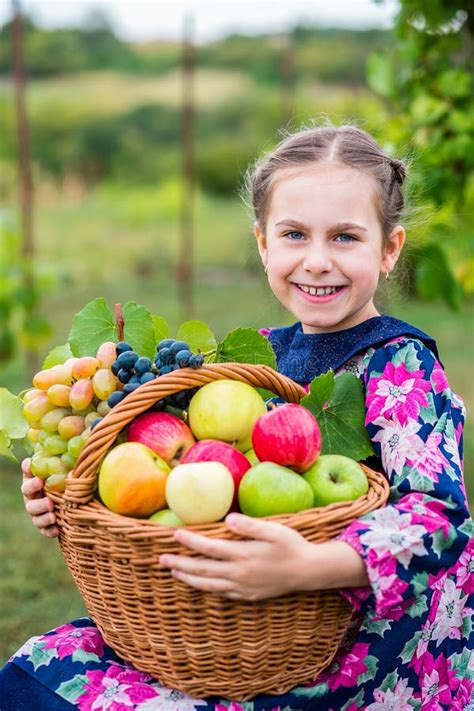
[[166, 517], [164, 433], [200, 492], [268, 489], [226, 410], [252, 457], [336, 478], [132, 480], [213, 450], [288, 435]]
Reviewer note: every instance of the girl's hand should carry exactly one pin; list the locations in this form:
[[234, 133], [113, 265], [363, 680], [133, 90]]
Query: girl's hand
[[271, 563], [37, 504]]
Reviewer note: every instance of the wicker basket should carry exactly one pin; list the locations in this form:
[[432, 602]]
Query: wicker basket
[[197, 642]]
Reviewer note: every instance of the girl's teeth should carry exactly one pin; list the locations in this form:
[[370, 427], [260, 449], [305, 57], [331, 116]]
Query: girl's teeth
[[318, 292]]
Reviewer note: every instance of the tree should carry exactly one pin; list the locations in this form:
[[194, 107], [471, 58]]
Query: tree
[[426, 79]]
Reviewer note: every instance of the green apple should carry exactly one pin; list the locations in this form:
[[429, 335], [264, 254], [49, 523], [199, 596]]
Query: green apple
[[268, 489], [200, 492], [336, 478], [166, 517], [226, 410]]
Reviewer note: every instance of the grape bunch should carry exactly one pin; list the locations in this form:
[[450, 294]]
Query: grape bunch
[[63, 406], [133, 370]]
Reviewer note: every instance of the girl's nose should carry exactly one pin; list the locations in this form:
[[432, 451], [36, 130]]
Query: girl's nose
[[317, 261]]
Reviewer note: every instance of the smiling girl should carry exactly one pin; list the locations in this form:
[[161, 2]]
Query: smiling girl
[[328, 206]]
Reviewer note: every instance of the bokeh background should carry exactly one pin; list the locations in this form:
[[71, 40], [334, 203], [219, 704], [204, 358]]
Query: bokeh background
[[141, 120]]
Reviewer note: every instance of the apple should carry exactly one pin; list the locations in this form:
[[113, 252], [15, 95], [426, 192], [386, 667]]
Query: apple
[[166, 517], [288, 435], [213, 450], [162, 432], [132, 480], [200, 492], [336, 478], [226, 410], [268, 489]]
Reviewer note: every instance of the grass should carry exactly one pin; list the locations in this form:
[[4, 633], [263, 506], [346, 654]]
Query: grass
[[123, 247]]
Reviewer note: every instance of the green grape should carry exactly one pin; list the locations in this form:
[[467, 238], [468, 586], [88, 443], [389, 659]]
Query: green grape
[[75, 445], [51, 420], [89, 419], [56, 482], [56, 466], [81, 394], [39, 465], [55, 444], [71, 426], [35, 409], [43, 436], [103, 408], [68, 460], [104, 383]]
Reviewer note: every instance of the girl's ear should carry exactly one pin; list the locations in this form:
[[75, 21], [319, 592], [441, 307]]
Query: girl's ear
[[393, 247], [261, 242]]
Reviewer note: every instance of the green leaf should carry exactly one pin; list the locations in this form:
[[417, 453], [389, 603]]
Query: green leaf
[[41, 657], [6, 447], [72, 689], [246, 345], [380, 75], [57, 356], [434, 276], [377, 626], [419, 606], [339, 407], [139, 329], [81, 655], [408, 651], [91, 327], [199, 336], [162, 330], [12, 420]]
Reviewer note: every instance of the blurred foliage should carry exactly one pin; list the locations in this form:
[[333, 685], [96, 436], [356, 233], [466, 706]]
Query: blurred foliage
[[21, 290], [426, 79]]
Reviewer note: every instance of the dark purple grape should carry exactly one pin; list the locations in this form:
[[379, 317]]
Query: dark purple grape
[[124, 375], [115, 398], [142, 365], [147, 377], [165, 343], [122, 347], [179, 346], [196, 360], [127, 359], [96, 422], [130, 387], [183, 357]]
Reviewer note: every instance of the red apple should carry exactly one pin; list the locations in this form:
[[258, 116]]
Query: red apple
[[165, 434], [288, 435], [214, 450]]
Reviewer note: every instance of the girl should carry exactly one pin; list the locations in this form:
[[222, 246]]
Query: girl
[[328, 204]]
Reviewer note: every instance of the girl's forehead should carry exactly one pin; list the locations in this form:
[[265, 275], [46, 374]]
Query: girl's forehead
[[322, 187]]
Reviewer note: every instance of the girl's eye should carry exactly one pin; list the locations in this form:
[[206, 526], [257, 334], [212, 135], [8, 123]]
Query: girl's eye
[[345, 238], [294, 236]]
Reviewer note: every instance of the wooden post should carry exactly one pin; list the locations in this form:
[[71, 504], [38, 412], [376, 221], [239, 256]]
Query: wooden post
[[286, 80], [186, 252], [25, 181]]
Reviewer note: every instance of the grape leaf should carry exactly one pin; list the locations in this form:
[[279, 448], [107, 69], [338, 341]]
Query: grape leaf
[[57, 356], [91, 327], [139, 328], [339, 407], [162, 330], [12, 421], [6, 447], [246, 345], [199, 336]]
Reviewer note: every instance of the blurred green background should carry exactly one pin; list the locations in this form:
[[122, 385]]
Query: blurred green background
[[106, 149]]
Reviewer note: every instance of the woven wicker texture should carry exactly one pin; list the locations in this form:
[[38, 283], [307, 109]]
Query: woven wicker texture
[[194, 641]]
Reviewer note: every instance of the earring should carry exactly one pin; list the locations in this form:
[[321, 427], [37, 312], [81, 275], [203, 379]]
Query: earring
[[266, 269], [387, 275]]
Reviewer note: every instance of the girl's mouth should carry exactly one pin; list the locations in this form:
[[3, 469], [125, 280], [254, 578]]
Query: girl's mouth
[[319, 294]]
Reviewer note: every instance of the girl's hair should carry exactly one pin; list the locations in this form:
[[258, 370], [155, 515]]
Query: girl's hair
[[348, 145]]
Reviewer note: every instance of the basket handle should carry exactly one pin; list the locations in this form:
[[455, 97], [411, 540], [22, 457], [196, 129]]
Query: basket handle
[[81, 482]]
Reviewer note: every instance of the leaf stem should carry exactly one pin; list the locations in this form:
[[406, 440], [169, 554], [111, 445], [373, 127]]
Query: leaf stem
[[119, 321]]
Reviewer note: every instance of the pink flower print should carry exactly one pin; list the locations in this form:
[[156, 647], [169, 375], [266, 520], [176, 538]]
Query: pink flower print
[[431, 461], [459, 431], [68, 638], [438, 377], [345, 669], [387, 586], [426, 513], [463, 696], [421, 648], [450, 613], [397, 392], [436, 684], [465, 568], [397, 699], [398, 442], [117, 689], [394, 533]]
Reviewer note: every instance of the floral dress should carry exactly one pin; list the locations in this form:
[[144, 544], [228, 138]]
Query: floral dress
[[410, 644]]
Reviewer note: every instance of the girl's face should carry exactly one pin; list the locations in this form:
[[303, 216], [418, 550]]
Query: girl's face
[[323, 245]]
